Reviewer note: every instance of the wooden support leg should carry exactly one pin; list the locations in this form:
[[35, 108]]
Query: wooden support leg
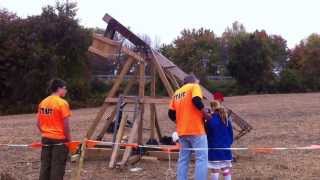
[[76, 175], [153, 106], [157, 126], [106, 125], [132, 138], [140, 130], [95, 123], [152, 121], [116, 146], [141, 95]]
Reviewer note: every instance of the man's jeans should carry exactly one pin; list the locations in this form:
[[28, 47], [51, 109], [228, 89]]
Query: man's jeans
[[53, 159], [201, 156]]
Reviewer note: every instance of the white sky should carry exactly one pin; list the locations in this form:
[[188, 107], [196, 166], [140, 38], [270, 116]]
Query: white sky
[[164, 19]]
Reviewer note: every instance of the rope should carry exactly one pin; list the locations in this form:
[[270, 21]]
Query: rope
[[170, 172], [91, 143]]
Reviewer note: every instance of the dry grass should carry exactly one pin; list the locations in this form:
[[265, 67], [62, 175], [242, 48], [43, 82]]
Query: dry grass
[[278, 120]]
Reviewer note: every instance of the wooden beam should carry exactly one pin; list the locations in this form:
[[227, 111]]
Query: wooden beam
[[157, 126], [132, 138], [107, 124], [173, 80], [119, 79], [106, 47], [76, 174], [141, 95], [116, 146], [153, 106], [177, 72], [162, 76]]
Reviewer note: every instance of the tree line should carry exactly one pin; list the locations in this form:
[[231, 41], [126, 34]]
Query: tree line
[[37, 48], [257, 61]]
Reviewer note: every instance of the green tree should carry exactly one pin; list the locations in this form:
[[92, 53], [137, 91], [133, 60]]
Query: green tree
[[38, 48], [195, 51], [305, 59], [252, 60]]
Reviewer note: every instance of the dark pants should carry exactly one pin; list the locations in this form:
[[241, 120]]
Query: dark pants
[[53, 159]]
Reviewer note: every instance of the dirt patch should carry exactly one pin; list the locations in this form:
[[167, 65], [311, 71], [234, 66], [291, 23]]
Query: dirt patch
[[278, 120]]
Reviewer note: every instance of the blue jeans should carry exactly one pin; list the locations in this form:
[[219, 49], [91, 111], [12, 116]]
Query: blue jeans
[[201, 156]]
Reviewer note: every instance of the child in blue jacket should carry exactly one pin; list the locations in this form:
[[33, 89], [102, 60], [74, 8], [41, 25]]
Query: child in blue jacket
[[220, 135]]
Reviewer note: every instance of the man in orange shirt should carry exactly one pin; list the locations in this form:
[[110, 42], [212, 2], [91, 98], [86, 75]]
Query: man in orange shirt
[[53, 123], [187, 110]]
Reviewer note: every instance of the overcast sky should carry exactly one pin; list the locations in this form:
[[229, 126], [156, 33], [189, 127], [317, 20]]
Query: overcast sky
[[164, 19]]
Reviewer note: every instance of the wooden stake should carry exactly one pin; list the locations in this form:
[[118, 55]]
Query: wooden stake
[[116, 146], [77, 173]]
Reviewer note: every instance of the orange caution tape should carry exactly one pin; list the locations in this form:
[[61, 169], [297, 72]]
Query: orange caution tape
[[132, 145], [73, 146], [35, 145], [264, 150], [91, 143]]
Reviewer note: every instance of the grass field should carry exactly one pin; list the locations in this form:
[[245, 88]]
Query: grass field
[[278, 120]]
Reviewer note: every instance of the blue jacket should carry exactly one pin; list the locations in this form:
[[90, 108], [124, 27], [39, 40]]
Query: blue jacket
[[219, 135]]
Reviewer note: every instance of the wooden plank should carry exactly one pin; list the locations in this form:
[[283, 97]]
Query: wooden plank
[[153, 106], [106, 47], [116, 147], [177, 72], [106, 125], [157, 126], [132, 138], [76, 174], [162, 75], [101, 53], [173, 80], [96, 121], [141, 95], [118, 81]]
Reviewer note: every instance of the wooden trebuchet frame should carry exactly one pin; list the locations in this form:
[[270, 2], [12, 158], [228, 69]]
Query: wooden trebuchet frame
[[139, 57]]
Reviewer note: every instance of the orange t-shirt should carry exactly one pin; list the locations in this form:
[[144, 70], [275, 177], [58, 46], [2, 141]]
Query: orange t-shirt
[[189, 119], [51, 114]]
